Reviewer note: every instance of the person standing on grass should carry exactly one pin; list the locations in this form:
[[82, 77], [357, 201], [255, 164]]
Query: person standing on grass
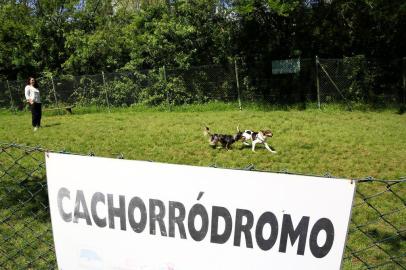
[[32, 96]]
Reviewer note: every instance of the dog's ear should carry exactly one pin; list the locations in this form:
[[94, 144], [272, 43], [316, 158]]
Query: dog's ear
[[267, 132]]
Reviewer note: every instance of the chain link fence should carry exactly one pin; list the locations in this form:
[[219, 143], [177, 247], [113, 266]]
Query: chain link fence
[[168, 87], [357, 80], [349, 80], [262, 82], [376, 236], [25, 229]]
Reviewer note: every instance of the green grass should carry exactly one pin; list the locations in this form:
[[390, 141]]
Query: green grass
[[344, 144], [341, 143]]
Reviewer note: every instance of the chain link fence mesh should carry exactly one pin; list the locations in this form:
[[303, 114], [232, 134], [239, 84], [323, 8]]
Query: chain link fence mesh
[[355, 80], [349, 80], [377, 233], [122, 89], [260, 83], [25, 229], [376, 236]]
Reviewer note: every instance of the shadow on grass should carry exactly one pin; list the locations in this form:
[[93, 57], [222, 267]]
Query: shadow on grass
[[51, 125], [392, 241], [27, 198], [258, 146], [402, 109]]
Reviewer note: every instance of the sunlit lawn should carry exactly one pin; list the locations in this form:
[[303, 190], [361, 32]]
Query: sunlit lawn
[[340, 143]]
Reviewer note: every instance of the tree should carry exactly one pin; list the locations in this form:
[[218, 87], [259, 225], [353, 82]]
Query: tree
[[185, 34], [16, 42]]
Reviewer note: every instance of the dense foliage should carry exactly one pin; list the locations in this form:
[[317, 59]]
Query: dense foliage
[[88, 36]]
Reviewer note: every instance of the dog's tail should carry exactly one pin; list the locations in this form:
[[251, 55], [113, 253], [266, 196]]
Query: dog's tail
[[238, 128], [206, 131]]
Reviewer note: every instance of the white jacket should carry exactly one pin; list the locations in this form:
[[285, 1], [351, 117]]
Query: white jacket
[[32, 93]]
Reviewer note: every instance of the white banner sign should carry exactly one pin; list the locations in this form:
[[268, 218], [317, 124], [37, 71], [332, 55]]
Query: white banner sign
[[122, 214]]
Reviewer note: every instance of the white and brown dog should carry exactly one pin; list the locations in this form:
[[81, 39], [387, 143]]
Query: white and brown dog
[[258, 137]]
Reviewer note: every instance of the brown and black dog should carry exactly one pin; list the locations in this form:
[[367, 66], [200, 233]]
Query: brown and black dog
[[225, 140]]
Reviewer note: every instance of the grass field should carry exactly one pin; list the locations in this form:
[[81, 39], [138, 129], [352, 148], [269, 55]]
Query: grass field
[[343, 144]]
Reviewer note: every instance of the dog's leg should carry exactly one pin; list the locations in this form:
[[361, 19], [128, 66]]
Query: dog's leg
[[224, 145], [253, 145], [228, 146], [269, 148]]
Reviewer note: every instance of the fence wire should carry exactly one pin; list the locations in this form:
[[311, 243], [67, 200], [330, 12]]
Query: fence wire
[[376, 236], [360, 80], [348, 80]]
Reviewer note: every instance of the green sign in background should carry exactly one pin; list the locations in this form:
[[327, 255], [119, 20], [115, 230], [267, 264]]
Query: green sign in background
[[286, 66]]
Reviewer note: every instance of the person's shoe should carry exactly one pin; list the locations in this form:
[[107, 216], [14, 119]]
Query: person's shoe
[[35, 129]]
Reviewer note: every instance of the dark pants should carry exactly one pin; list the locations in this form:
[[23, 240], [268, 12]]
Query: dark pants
[[36, 112]]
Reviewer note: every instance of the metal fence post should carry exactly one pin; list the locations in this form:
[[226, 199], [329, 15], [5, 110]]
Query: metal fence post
[[105, 91], [323, 69], [11, 97], [163, 74], [53, 88], [238, 84], [317, 82], [404, 80]]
